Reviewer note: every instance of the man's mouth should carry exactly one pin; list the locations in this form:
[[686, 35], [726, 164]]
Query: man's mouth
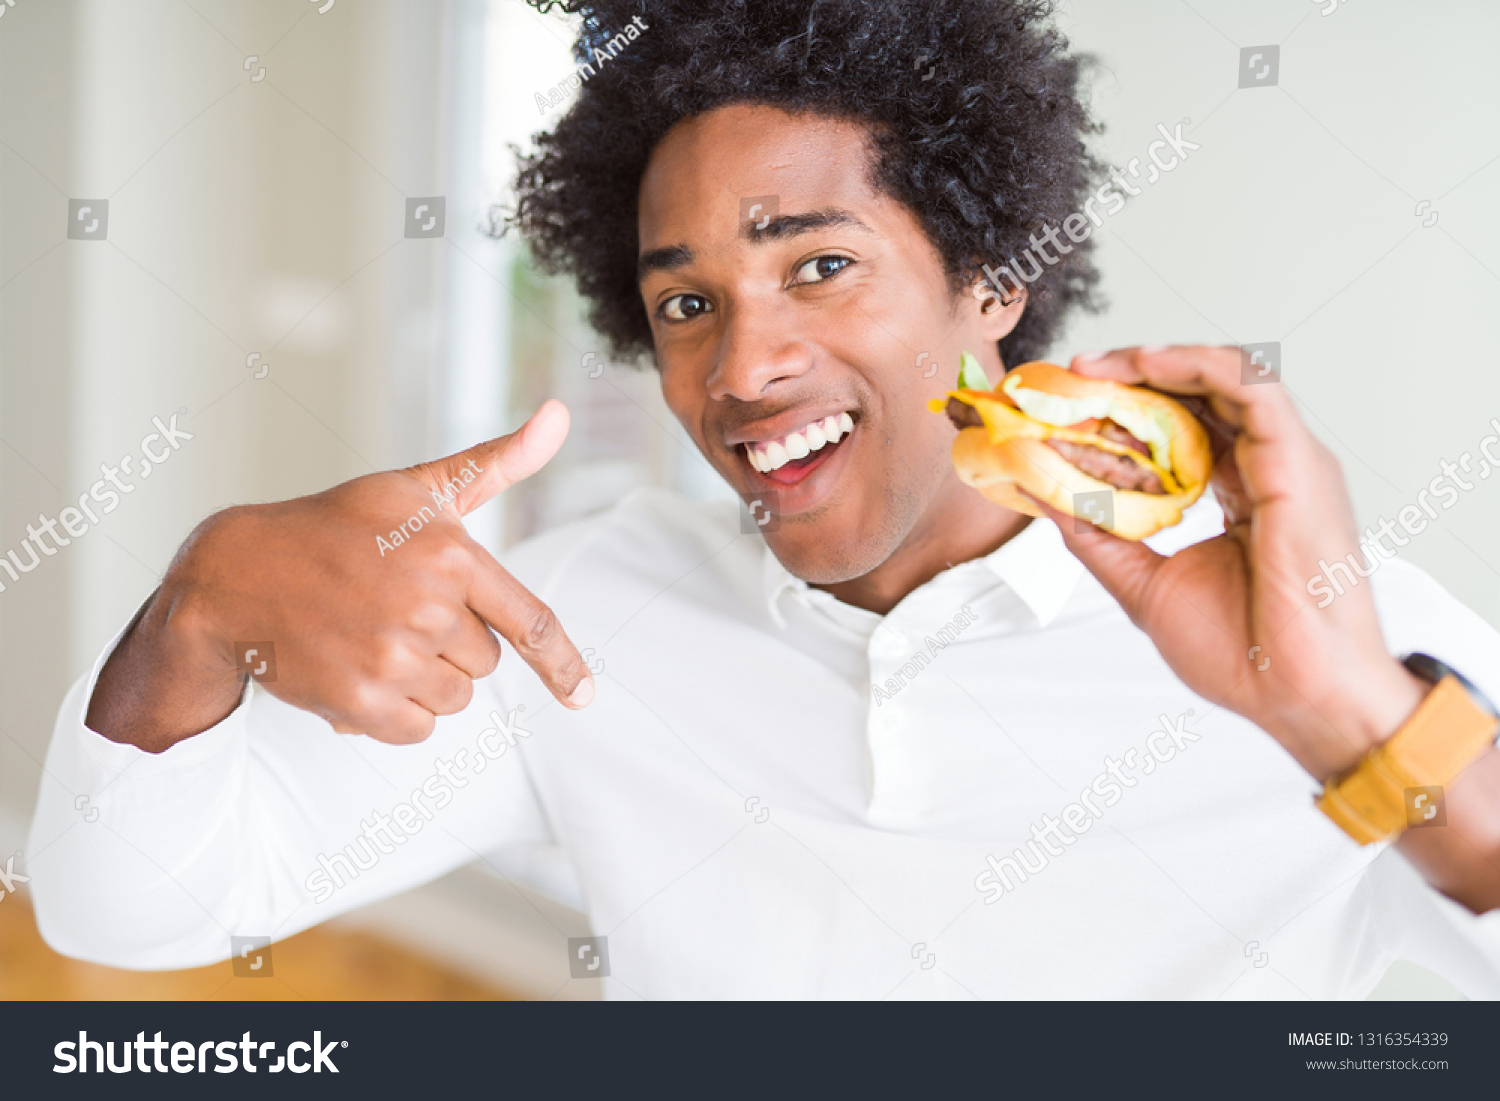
[[788, 459]]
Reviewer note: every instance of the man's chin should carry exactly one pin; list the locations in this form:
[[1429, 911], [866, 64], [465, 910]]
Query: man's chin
[[818, 559], [850, 535]]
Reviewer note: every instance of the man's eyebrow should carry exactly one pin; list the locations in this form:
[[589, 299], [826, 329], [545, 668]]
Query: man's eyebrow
[[784, 225], [790, 225], [662, 259]]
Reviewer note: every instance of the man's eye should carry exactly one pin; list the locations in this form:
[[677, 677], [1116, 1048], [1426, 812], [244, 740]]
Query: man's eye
[[820, 268], [684, 307]]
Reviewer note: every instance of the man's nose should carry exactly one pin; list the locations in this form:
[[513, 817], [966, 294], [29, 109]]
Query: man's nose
[[757, 351]]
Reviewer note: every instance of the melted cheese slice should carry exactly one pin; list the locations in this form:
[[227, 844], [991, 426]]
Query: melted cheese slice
[[1051, 417]]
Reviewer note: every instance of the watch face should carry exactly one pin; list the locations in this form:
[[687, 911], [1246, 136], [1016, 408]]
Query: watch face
[[1424, 807], [1431, 670], [1425, 666]]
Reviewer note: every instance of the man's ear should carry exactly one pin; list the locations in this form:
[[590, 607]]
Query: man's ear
[[998, 313]]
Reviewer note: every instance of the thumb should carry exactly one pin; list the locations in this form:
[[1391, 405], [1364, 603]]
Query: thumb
[[470, 478], [1125, 568]]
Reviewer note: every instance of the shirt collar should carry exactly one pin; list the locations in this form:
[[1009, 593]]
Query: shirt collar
[[1039, 567], [1035, 563]]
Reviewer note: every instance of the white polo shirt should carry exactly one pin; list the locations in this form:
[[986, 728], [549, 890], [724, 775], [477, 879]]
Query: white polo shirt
[[998, 790]]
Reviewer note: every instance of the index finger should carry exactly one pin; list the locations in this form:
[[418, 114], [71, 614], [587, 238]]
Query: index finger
[[531, 627], [1262, 412]]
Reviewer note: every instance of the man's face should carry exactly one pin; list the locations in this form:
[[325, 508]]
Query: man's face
[[832, 314]]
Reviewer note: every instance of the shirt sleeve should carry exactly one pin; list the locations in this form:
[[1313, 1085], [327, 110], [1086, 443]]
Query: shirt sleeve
[[260, 826]]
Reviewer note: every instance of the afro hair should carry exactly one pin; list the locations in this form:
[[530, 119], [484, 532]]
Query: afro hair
[[973, 107]]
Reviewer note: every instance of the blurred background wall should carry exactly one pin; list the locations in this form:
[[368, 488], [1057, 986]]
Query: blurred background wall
[[255, 275]]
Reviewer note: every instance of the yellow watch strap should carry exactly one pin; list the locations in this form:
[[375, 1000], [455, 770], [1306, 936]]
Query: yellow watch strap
[[1440, 739]]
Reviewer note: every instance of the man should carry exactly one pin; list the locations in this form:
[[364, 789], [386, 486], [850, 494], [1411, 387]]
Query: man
[[906, 743]]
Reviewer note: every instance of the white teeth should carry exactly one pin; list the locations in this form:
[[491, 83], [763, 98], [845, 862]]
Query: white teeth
[[798, 445]]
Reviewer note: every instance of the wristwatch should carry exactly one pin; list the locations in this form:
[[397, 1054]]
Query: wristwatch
[[1399, 784]]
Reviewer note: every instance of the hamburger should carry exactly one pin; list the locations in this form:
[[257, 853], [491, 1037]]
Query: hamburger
[[1058, 435]]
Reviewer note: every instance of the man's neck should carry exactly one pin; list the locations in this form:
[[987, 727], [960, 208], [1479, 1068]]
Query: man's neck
[[960, 527]]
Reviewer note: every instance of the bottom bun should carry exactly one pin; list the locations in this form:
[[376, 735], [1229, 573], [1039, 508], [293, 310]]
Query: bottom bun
[[998, 470]]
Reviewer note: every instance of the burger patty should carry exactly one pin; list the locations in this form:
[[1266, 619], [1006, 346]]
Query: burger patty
[[1116, 434], [963, 415], [1120, 471]]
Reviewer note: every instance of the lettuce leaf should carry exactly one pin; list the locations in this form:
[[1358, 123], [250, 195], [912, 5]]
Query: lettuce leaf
[[971, 376]]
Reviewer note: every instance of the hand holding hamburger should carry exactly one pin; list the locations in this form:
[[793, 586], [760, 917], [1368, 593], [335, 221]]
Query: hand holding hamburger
[[1055, 434], [1231, 615], [1218, 609]]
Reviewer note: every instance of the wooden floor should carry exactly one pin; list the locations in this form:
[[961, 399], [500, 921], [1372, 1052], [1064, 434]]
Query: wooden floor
[[316, 965]]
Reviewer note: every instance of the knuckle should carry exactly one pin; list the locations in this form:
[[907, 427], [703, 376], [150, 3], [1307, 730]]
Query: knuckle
[[363, 706], [431, 616], [451, 559], [408, 731], [189, 612], [388, 659], [456, 696], [538, 632], [335, 714], [428, 475], [221, 523], [213, 539]]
